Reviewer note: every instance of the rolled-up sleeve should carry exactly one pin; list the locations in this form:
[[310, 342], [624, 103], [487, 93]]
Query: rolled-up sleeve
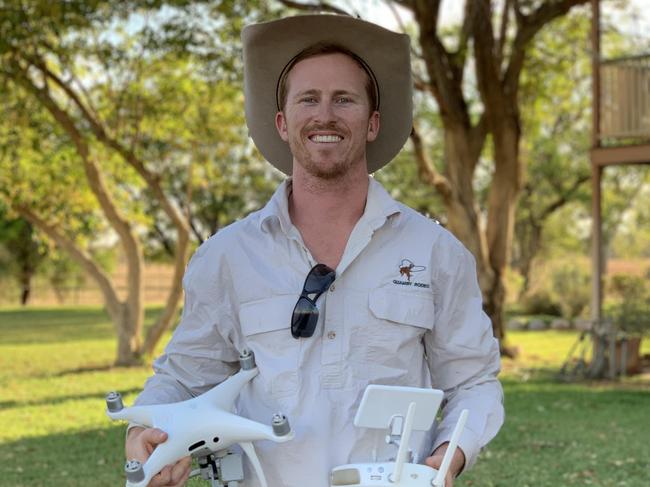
[[201, 352], [463, 357]]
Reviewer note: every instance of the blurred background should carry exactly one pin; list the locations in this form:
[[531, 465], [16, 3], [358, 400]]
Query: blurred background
[[123, 147]]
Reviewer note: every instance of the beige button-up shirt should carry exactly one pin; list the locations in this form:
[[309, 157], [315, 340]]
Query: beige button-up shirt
[[405, 309]]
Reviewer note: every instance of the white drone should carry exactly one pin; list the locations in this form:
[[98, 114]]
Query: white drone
[[203, 427], [399, 410]]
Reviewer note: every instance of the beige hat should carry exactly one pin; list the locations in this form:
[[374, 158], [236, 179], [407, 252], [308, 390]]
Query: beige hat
[[270, 46]]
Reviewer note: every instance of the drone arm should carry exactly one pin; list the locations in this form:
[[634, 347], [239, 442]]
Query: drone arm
[[223, 395], [163, 455], [141, 415]]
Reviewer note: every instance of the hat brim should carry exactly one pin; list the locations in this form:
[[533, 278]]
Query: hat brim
[[270, 46]]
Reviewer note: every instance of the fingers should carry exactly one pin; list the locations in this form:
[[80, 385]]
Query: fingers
[[434, 461], [181, 471], [153, 436], [173, 475], [140, 444]]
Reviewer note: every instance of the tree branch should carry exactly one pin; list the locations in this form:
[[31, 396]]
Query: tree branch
[[152, 179], [316, 7], [478, 133], [113, 303], [426, 169], [503, 31], [562, 199], [95, 180], [527, 27], [444, 74]]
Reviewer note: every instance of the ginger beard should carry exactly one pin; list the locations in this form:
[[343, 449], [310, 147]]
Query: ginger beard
[[326, 119], [325, 160]]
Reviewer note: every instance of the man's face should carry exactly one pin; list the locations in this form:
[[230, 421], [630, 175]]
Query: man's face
[[327, 120]]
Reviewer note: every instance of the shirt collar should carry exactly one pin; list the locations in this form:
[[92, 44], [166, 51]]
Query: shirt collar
[[379, 207], [277, 209]]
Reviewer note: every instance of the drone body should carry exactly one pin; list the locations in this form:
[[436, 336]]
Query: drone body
[[199, 426]]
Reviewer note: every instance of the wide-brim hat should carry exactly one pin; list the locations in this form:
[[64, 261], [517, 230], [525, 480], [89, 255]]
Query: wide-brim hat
[[270, 46]]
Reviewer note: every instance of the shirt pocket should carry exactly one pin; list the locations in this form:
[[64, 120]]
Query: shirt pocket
[[266, 326], [391, 337]]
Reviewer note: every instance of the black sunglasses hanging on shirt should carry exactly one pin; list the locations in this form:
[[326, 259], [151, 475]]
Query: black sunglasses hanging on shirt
[[305, 313]]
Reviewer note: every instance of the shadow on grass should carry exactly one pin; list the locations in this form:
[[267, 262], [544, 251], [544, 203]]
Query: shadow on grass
[[60, 325], [89, 369], [50, 401]]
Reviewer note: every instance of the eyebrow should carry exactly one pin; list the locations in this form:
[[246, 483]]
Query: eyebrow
[[312, 91]]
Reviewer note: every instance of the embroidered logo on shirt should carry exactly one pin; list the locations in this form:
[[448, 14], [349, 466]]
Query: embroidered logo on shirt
[[406, 269]]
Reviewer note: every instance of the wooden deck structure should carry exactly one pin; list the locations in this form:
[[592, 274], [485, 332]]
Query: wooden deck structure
[[620, 136], [620, 133]]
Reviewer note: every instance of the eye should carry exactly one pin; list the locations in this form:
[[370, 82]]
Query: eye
[[343, 99], [308, 99]]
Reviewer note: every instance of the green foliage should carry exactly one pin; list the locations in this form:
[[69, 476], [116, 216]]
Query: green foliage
[[571, 282], [555, 109], [540, 302], [632, 311], [401, 179], [561, 287]]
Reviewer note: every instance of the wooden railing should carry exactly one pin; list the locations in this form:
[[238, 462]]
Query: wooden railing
[[625, 98]]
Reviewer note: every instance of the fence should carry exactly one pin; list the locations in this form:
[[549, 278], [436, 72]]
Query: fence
[[157, 283]]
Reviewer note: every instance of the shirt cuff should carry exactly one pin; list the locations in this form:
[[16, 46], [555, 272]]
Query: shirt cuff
[[469, 442]]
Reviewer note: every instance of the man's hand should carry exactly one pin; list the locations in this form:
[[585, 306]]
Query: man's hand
[[141, 442], [455, 467]]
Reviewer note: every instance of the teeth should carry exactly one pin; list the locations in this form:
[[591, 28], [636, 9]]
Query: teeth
[[325, 138]]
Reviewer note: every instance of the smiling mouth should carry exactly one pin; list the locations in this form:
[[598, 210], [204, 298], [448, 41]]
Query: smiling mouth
[[325, 139]]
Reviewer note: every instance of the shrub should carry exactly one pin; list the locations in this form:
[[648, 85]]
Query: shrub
[[572, 287], [632, 311], [540, 303]]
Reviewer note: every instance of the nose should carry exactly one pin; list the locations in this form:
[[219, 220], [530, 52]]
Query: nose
[[325, 112]]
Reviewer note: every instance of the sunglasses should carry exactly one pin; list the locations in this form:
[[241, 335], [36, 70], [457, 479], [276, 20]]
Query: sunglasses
[[305, 313]]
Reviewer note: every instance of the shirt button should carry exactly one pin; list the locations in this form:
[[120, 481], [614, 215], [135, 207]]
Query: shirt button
[[332, 288], [331, 335]]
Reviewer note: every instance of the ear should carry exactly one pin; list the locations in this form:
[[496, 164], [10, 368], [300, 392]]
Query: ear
[[373, 126], [281, 126]]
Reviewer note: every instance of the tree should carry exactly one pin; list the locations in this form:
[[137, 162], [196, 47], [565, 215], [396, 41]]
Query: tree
[[109, 92], [556, 111], [24, 252]]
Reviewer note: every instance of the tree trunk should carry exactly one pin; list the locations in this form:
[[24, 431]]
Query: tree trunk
[[173, 299], [26, 274], [502, 200], [129, 349], [462, 210]]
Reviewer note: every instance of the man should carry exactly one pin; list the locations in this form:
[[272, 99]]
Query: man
[[328, 100]]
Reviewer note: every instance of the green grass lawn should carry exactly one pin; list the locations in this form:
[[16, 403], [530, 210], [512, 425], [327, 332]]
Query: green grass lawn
[[55, 370]]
